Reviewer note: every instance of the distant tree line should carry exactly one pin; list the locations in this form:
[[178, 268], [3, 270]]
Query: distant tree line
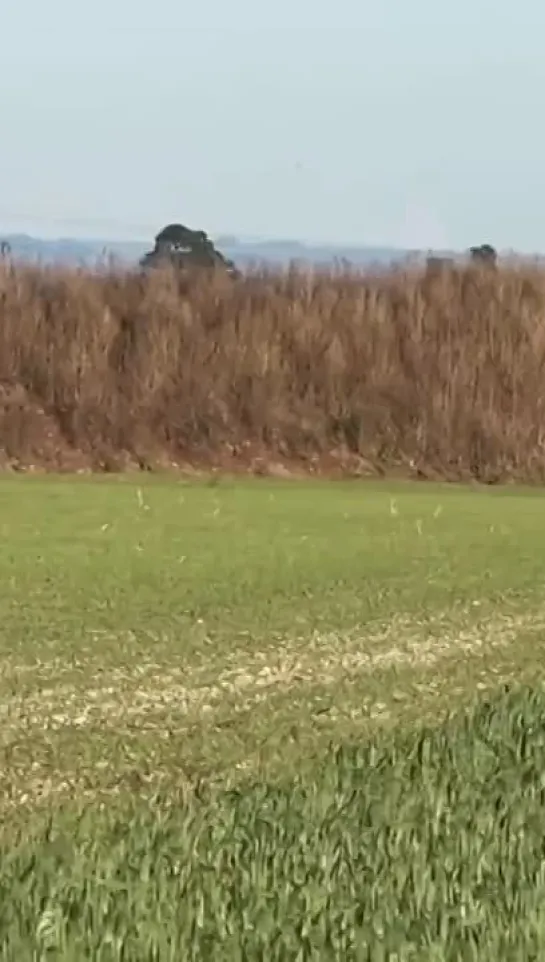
[[482, 256], [183, 248]]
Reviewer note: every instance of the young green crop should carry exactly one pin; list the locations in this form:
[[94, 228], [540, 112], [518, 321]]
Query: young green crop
[[179, 664], [423, 845]]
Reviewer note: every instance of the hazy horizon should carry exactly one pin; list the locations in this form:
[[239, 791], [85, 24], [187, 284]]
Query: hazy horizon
[[55, 236]]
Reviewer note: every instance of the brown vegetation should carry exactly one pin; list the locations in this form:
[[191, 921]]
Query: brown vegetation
[[441, 374]]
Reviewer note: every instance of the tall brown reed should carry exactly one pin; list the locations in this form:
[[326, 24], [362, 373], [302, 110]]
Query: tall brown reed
[[443, 372]]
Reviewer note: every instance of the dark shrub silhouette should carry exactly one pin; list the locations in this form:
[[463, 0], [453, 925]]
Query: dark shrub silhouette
[[185, 248], [484, 255]]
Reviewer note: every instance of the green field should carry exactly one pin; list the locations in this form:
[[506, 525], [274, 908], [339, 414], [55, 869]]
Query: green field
[[275, 647]]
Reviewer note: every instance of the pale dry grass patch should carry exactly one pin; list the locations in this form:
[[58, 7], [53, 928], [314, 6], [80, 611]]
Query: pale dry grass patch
[[145, 695]]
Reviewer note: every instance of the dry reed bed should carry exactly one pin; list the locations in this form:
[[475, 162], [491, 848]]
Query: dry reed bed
[[445, 373]]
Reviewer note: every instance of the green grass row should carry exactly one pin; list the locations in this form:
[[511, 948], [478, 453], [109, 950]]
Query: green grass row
[[425, 845]]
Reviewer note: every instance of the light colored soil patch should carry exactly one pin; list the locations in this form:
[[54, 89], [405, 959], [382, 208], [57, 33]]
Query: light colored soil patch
[[142, 696]]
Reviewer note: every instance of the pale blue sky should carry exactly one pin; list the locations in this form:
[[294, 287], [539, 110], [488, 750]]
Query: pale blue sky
[[411, 123]]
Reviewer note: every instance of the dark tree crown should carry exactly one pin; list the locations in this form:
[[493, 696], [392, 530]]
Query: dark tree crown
[[183, 247]]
